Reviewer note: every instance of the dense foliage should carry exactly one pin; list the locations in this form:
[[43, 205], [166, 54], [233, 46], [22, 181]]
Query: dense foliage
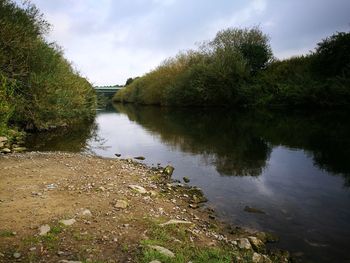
[[38, 86], [237, 68]]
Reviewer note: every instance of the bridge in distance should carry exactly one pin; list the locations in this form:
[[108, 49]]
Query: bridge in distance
[[108, 90]]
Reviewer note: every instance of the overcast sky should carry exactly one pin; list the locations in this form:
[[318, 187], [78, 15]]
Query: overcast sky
[[111, 40]]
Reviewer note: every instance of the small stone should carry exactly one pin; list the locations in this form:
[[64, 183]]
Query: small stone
[[16, 255], [164, 251], [32, 249], [51, 186], [186, 179], [6, 150], [68, 261], [44, 229], [19, 149], [243, 243], [168, 170], [121, 204], [68, 222], [267, 237], [153, 193], [155, 261], [3, 139], [253, 210], [86, 212], [257, 258], [175, 222], [139, 158], [138, 189], [102, 189], [257, 244]]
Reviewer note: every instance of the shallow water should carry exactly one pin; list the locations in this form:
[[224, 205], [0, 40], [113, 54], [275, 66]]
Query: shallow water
[[293, 166]]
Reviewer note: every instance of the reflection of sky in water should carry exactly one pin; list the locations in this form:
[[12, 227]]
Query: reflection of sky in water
[[307, 206]]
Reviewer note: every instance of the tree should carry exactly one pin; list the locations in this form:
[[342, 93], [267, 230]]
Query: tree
[[332, 56], [252, 44], [129, 81]]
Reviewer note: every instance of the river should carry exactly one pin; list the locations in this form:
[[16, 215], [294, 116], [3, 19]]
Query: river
[[293, 166]]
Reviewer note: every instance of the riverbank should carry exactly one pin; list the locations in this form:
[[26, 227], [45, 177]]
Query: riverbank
[[61, 206]]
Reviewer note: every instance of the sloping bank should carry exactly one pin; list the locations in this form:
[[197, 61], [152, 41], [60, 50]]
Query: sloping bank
[[62, 207], [39, 89]]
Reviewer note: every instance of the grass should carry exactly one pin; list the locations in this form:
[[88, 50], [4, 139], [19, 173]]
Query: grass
[[6, 233], [178, 240]]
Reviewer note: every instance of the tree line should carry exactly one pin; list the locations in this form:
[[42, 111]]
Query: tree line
[[39, 88], [237, 69]]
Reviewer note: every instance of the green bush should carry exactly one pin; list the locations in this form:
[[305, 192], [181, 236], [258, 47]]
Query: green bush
[[213, 75], [39, 88], [237, 69]]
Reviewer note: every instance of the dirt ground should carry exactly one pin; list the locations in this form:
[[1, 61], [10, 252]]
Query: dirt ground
[[110, 218]]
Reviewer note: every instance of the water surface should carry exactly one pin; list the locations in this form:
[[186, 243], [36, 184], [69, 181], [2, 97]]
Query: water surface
[[293, 166]]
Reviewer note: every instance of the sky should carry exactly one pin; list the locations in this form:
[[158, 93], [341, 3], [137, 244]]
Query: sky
[[109, 41]]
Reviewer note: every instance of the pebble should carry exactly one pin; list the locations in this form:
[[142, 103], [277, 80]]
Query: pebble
[[164, 251], [68, 222], [138, 189], [68, 261], [16, 255], [257, 258], [243, 243], [121, 204], [86, 212], [186, 179], [44, 229]]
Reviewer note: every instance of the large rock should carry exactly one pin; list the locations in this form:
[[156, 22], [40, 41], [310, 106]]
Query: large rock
[[257, 244], [164, 251], [243, 243]]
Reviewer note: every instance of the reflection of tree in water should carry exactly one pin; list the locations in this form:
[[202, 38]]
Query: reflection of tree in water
[[240, 143], [72, 139], [234, 149]]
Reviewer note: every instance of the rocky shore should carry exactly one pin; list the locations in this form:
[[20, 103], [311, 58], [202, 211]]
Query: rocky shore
[[12, 143], [62, 207]]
